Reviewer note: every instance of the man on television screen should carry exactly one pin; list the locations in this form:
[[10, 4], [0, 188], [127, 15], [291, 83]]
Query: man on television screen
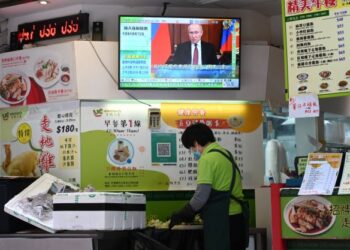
[[195, 51]]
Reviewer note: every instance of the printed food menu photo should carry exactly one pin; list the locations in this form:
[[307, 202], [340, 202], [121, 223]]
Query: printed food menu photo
[[39, 139], [316, 47], [313, 216], [120, 152], [37, 75]]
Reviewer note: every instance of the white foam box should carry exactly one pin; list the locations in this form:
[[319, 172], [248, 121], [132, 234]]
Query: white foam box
[[136, 216], [98, 211], [41, 186]]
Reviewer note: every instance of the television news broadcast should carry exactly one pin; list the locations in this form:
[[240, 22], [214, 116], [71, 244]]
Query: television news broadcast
[[162, 53]]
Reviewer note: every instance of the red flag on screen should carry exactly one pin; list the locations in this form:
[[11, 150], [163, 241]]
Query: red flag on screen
[[161, 46], [226, 37]]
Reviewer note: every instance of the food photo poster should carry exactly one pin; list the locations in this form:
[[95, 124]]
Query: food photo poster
[[38, 75], [110, 146]]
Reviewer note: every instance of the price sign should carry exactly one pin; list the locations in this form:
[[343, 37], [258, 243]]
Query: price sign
[[66, 129]]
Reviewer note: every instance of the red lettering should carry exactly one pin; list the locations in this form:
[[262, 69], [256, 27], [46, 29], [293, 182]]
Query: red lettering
[[46, 160], [64, 28], [45, 123], [42, 32]]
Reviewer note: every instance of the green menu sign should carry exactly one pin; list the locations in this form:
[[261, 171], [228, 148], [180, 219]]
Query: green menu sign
[[316, 47]]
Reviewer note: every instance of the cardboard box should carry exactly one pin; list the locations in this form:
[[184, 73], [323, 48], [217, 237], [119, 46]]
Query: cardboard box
[[37, 211], [99, 211]]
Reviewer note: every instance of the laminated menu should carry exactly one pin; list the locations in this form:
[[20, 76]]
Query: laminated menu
[[321, 174], [344, 187]]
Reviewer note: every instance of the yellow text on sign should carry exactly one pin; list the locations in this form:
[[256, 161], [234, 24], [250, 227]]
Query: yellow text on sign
[[24, 133]]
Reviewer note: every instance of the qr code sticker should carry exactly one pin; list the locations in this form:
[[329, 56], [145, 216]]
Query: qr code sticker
[[163, 149]]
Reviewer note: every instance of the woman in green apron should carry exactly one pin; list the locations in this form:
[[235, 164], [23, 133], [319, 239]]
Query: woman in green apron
[[223, 223]]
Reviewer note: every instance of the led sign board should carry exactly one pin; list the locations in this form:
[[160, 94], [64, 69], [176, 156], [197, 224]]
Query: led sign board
[[53, 28]]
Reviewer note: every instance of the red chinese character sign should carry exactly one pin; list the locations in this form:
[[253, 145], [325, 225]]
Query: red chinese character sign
[[304, 106], [316, 47], [40, 139]]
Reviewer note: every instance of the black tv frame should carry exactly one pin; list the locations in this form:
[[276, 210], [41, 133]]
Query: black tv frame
[[181, 88]]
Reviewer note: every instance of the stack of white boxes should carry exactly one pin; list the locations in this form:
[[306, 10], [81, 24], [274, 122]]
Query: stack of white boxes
[[80, 210], [99, 211]]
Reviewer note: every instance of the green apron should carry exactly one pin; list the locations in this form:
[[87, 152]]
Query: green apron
[[215, 214]]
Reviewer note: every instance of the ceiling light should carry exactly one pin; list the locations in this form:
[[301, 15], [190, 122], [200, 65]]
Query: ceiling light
[[43, 2]]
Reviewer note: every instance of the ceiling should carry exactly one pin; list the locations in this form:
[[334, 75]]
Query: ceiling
[[12, 8]]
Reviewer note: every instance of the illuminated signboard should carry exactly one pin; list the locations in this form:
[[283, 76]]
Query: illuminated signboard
[[53, 28]]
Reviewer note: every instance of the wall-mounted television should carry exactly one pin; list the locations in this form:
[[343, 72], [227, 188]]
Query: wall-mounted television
[[179, 53]]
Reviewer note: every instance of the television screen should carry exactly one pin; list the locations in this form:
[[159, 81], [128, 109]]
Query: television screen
[[179, 53]]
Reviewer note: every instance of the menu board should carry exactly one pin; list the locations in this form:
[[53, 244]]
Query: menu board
[[38, 75], [300, 163], [39, 139], [321, 173], [120, 152], [316, 47], [344, 187]]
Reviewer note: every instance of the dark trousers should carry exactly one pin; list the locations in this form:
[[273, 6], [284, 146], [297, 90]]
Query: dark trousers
[[237, 232]]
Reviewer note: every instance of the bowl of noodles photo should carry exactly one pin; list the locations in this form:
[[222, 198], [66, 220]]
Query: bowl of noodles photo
[[120, 151], [14, 87], [309, 215], [47, 72]]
